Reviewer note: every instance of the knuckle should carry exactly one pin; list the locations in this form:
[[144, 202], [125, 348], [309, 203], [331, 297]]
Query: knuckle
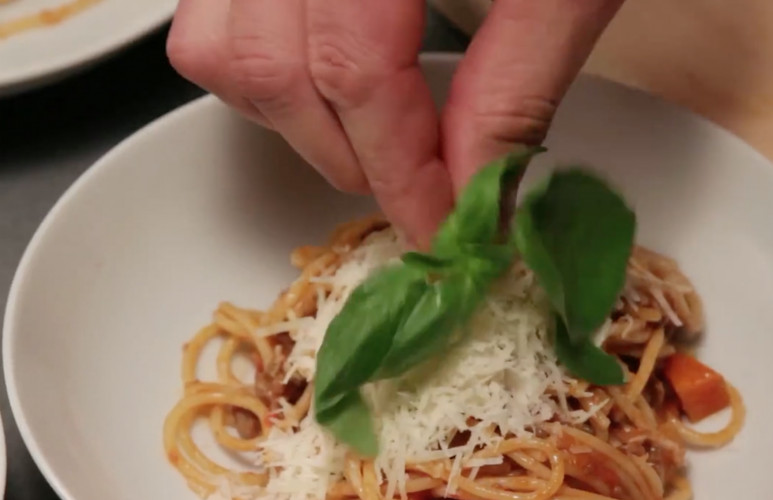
[[259, 72], [336, 71], [524, 119]]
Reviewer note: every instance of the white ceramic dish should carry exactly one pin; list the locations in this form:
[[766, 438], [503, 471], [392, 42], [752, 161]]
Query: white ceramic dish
[[201, 206], [40, 56]]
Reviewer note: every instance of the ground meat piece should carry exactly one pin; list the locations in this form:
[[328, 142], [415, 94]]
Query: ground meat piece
[[245, 423], [293, 390]]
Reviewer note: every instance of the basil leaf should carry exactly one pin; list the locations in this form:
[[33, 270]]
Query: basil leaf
[[429, 328], [359, 337], [537, 257], [576, 234], [349, 421], [425, 262], [573, 232], [495, 258], [476, 217], [586, 360]]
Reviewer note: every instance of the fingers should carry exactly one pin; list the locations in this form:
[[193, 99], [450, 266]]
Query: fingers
[[516, 71], [363, 60], [269, 68], [198, 45], [339, 81], [252, 56]]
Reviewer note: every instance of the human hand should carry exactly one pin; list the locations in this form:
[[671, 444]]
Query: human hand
[[340, 81]]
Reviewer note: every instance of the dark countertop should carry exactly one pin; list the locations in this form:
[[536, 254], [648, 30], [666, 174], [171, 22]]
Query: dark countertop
[[51, 136]]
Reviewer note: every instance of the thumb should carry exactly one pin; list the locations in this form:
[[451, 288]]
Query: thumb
[[515, 72]]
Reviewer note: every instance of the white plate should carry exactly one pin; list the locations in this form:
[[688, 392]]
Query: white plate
[[42, 55], [200, 207]]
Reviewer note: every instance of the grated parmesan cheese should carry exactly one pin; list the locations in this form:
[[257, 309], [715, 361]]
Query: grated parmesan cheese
[[500, 376]]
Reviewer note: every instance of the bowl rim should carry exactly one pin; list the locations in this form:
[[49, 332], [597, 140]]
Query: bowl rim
[[104, 164]]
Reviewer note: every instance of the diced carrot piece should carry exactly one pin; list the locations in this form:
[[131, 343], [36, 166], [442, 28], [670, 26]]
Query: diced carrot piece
[[701, 390], [594, 465]]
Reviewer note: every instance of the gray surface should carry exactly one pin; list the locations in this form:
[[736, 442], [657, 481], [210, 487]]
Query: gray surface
[[49, 137]]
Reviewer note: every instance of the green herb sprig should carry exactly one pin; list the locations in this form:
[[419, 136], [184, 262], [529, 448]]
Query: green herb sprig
[[576, 235], [572, 231]]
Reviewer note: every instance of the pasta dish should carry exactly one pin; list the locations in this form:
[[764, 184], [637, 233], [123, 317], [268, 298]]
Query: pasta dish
[[499, 419], [44, 17]]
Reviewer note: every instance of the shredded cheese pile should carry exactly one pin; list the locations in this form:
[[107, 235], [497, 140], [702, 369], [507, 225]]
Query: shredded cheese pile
[[499, 376]]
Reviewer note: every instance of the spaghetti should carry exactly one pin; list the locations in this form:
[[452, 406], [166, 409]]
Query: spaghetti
[[601, 443]]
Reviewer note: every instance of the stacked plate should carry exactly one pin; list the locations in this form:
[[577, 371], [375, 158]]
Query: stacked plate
[[42, 40]]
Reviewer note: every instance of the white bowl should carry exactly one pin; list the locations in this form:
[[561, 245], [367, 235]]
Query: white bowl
[[40, 56], [201, 206]]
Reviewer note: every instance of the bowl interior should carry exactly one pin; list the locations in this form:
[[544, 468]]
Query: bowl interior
[[202, 207]]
